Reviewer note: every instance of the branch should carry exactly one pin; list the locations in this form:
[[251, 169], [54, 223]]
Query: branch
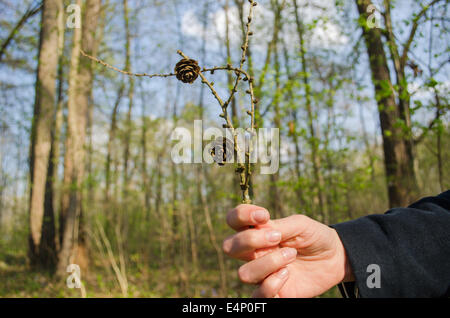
[[211, 69], [122, 71], [408, 43], [28, 14], [434, 120], [244, 48], [392, 45]]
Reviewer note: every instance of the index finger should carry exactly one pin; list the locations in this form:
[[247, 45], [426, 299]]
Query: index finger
[[245, 215]]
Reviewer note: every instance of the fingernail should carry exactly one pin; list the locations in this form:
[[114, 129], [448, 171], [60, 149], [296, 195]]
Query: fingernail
[[282, 272], [289, 253], [260, 216], [273, 236]]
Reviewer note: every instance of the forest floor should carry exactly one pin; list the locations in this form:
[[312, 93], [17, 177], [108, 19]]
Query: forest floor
[[17, 280]]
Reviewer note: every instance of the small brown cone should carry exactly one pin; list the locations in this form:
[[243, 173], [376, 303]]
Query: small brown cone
[[187, 70]]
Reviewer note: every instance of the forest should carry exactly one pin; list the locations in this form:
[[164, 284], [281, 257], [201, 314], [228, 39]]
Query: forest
[[94, 92]]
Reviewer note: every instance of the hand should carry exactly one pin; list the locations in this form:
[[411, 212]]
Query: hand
[[289, 257]]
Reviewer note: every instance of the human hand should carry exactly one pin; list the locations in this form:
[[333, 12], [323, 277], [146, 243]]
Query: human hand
[[294, 256]]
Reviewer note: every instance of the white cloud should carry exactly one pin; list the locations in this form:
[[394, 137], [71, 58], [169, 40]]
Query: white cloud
[[421, 91], [192, 26], [326, 33]]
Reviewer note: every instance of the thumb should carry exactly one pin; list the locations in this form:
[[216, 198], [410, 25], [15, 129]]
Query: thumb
[[295, 228]]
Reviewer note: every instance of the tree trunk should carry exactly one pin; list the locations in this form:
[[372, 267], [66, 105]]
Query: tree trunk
[[313, 140], [275, 196], [146, 181], [365, 136], [41, 129], [163, 232], [400, 176], [126, 153], [76, 134], [293, 133], [111, 138], [90, 123], [211, 232], [48, 240], [71, 105]]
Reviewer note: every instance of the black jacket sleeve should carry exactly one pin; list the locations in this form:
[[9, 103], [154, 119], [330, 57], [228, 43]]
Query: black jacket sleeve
[[410, 245]]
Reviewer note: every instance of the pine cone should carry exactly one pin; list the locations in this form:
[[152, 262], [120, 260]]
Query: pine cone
[[187, 70], [222, 150]]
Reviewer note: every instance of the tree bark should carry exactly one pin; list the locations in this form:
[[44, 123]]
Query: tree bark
[[275, 195], [293, 133], [211, 232], [43, 115], [48, 239], [126, 153], [76, 133], [313, 140], [69, 147], [111, 138], [400, 176]]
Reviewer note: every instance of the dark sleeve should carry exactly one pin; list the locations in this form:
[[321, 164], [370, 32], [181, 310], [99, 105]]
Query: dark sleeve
[[410, 245]]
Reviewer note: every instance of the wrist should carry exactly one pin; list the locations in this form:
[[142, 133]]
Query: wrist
[[348, 277], [344, 267]]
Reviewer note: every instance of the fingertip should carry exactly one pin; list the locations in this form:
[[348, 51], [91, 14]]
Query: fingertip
[[245, 215], [243, 275], [283, 273], [289, 253], [226, 246], [260, 216], [272, 285]]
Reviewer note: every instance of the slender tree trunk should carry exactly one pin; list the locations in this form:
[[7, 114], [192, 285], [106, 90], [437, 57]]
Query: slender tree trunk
[[293, 133], [369, 151], [162, 216], [193, 239], [146, 184], [2, 180], [68, 156], [212, 235], [275, 196], [41, 129], [111, 139], [184, 233], [313, 140], [90, 122], [439, 129], [126, 153]]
